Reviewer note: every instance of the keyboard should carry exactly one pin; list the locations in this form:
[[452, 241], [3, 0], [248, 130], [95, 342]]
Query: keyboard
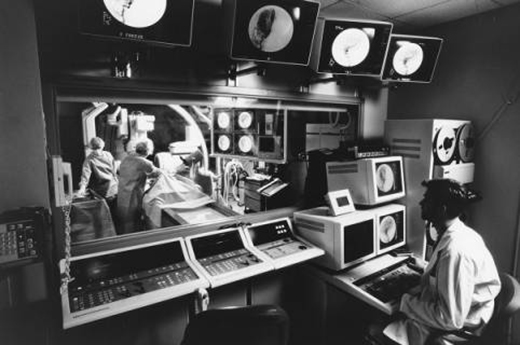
[[391, 283]]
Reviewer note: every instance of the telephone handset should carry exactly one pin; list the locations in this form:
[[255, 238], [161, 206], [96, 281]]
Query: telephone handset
[[21, 236]]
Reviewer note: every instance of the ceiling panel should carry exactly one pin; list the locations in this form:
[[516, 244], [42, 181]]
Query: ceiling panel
[[345, 10], [409, 14], [447, 11], [397, 7]]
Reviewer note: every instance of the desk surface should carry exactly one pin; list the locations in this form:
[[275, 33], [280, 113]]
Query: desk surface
[[346, 280]]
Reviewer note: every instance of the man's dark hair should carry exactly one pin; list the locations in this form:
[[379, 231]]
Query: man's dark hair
[[449, 193]]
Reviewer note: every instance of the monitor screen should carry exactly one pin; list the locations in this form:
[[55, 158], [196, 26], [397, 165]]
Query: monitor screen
[[411, 58], [164, 22], [391, 230], [354, 47], [274, 30], [388, 178], [358, 241], [216, 244]]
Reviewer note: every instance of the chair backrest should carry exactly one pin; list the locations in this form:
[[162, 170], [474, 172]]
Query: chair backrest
[[508, 300], [251, 325]]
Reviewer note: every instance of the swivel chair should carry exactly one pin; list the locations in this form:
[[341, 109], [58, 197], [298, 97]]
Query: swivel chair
[[507, 303], [251, 325]]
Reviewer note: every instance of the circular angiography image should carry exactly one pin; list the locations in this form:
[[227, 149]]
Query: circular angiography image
[[408, 58], [385, 178], [350, 47], [387, 230], [271, 29], [245, 144], [136, 13], [224, 143]]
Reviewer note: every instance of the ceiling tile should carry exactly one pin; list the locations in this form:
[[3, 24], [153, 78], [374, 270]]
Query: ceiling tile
[[447, 11], [395, 8]]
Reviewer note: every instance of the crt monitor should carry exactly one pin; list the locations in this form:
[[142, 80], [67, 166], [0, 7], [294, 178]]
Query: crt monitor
[[160, 22], [411, 58], [353, 47], [278, 31], [371, 181], [347, 239]]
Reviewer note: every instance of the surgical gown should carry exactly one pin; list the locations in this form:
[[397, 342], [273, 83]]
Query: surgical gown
[[133, 172]]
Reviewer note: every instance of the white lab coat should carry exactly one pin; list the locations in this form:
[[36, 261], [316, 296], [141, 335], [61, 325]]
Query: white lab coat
[[458, 289]]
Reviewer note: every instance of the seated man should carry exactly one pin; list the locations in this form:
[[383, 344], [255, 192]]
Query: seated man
[[460, 282]]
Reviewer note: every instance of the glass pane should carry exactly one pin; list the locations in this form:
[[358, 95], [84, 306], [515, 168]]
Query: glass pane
[[165, 164]]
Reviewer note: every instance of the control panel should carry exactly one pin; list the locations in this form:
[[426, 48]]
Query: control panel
[[21, 234], [389, 284], [224, 256], [275, 241], [380, 281], [114, 282]]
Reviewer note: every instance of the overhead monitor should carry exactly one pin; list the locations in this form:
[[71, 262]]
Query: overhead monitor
[[411, 58], [163, 22], [353, 47], [278, 31]]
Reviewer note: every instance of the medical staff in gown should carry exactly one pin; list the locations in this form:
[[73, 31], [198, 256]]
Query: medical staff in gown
[[133, 172]]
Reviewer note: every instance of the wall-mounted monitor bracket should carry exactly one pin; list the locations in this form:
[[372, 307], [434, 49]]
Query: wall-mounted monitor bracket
[[233, 72]]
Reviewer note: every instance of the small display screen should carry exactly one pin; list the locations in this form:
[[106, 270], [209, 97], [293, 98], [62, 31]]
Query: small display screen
[[354, 47], [274, 30], [118, 264], [388, 178], [342, 201], [269, 232], [266, 144], [358, 241], [411, 58], [165, 22], [391, 229], [217, 244]]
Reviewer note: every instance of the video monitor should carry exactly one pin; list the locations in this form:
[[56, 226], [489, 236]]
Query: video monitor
[[411, 58], [353, 47], [278, 31], [163, 22]]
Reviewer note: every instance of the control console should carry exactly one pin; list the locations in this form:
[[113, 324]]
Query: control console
[[275, 241], [223, 256], [113, 282]]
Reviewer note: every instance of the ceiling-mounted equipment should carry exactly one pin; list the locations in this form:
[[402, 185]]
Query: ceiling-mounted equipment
[[162, 22], [277, 31], [411, 58], [352, 47]]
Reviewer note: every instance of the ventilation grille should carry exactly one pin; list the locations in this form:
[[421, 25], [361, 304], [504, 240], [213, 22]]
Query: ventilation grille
[[310, 225], [347, 168], [408, 148]]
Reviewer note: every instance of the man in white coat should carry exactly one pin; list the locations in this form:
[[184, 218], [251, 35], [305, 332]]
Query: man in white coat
[[460, 282]]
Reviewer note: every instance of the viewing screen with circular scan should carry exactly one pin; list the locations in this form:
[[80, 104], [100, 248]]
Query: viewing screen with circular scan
[[408, 58], [271, 29], [351, 47], [136, 13]]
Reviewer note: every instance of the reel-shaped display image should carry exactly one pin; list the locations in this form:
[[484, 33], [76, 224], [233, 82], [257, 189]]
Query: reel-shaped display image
[[444, 145], [223, 143], [465, 143]]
